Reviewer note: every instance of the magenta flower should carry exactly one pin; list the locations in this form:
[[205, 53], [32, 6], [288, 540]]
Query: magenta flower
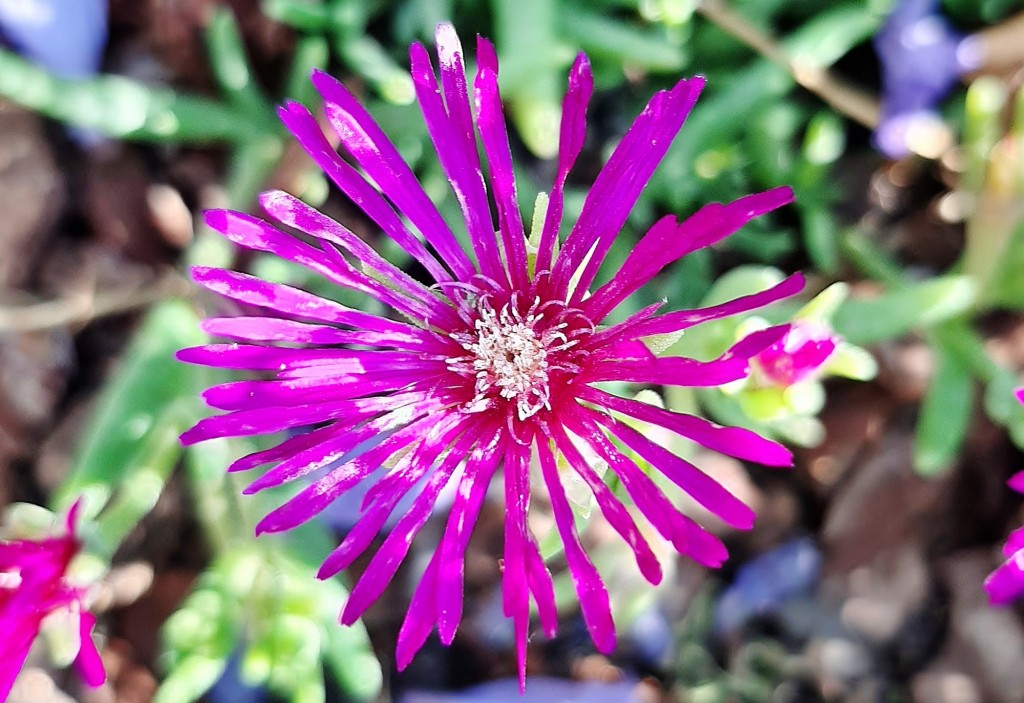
[[493, 367], [1006, 583], [34, 585], [799, 355]]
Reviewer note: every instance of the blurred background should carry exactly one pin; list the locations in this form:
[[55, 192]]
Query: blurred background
[[898, 124]]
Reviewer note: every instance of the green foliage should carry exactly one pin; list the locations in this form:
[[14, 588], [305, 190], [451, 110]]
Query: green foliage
[[130, 444], [260, 604]]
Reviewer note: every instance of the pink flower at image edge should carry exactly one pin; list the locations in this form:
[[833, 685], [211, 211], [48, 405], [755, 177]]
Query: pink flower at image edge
[[797, 356], [1006, 583], [33, 584], [492, 366]]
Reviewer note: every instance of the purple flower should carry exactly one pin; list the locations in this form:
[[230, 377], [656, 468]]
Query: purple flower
[[1006, 583], [493, 367], [798, 356], [922, 57], [64, 36], [33, 586]]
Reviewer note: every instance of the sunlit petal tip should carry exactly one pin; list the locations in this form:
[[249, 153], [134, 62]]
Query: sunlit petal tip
[[1016, 482], [448, 43]]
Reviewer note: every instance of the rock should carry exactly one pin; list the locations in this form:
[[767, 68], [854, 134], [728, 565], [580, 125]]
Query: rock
[[32, 192], [984, 642]]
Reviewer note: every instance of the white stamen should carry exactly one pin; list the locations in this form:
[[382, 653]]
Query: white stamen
[[508, 357]]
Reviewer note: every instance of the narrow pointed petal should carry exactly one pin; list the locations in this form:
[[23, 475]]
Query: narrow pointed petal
[[319, 494], [685, 535], [456, 150], [306, 131], [406, 473], [698, 485], [667, 241], [239, 395], [684, 319], [617, 187], [385, 562], [263, 421], [363, 138], [480, 468], [515, 588], [672, 371], [253, 233], [293, 212], [494, 134], [612, 509], [733, 441], [543, 590], [420, 617], [298, 303], [287, 448], [325, 361], [623, 362], [571, 137], [88, 662], [591, 590], [338, 446]]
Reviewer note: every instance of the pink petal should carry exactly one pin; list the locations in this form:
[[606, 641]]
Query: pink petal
[[88, 663], [1006, 583], [667, 241], [571, 137], [618, 185], [611, 507], [515, 587], [306, 131], [385, 562], [684, 319], [336, 447], [406, 473], [591, 591], [494, 134], [287, 448], [420, 617], [480, 468], [371, 148], [1016, 482], [314, 498], [292, 301], [241, 395], [670, 370], [253, 233], [698, 485], [685, 535], [295, 213], [1014, 543], [456, 150], [733, 441]]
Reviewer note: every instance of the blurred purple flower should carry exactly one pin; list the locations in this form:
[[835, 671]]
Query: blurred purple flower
[[66, 37], [33, 586], [764, 584], [922, 57], [797, 356], [494, 365], [1006, 583]]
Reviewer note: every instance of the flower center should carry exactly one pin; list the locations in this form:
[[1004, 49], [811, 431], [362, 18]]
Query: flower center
[[509, 356]]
